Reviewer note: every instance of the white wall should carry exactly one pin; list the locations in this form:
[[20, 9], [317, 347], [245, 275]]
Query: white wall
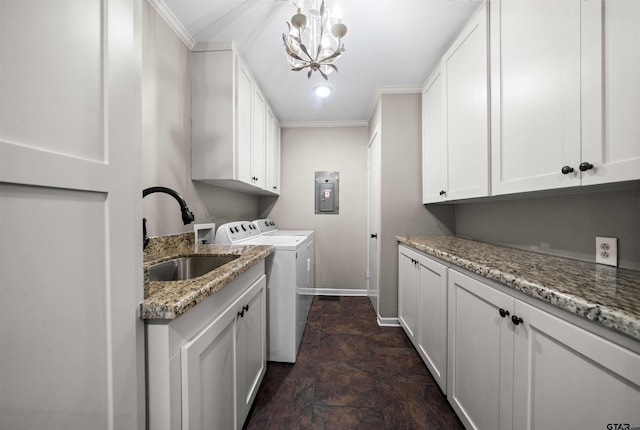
[[402, 213], [340, 239], [166, 137], [564, 225]]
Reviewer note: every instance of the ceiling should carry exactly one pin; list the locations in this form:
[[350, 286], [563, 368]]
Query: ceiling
[[391, 45]]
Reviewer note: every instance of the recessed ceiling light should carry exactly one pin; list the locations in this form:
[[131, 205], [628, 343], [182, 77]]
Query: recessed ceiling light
[[323, 90]]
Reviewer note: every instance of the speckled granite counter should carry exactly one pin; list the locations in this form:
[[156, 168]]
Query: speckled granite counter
[[169, 300], [606, 295]]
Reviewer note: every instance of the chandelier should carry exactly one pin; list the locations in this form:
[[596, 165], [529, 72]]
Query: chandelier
[[314, 40]]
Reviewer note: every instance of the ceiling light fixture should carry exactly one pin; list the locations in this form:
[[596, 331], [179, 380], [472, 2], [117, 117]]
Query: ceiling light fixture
[[314, 39], [323, 90]]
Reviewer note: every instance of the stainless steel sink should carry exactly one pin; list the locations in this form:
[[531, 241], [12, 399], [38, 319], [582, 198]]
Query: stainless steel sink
[[183, 268]]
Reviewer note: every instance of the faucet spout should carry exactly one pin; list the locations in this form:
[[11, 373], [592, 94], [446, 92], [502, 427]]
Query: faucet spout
[[187, 215]]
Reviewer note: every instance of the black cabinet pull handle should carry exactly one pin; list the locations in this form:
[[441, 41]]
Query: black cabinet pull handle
[[585, 166], [241, 313], [566, 170], [245, 308], [503, 312], [374, 235], [443, 192], [516, 320]]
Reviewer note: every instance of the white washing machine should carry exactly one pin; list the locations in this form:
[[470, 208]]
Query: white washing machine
[[287, 269]]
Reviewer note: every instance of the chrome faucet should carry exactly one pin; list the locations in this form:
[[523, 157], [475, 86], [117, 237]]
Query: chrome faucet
[[187, 215]]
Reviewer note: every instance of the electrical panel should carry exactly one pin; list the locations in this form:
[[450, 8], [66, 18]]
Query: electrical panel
[[327, 192]]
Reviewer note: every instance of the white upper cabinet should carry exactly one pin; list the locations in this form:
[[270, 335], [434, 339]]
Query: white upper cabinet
[[273, 153], [535, 81], [564, 100], [611, 90], [433, 145], [455, 135], [229, 122], [466, 133]]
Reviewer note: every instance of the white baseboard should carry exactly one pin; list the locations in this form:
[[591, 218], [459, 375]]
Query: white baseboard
[[388, 322], [332, 292]]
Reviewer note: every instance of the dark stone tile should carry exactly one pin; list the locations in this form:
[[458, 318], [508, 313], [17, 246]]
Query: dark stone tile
[[347, 418], [416, 406], [343, 384], [312, 332], [344, 347], [351, 374], [404, 364]]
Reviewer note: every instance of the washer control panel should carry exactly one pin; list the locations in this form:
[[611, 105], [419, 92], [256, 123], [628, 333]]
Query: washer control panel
[[233, 232], [265, 225]]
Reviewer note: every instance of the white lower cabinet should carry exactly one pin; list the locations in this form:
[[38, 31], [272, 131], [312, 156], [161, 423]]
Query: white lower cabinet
[[514, 366], [568, 378], [423, 316], [205, 367]]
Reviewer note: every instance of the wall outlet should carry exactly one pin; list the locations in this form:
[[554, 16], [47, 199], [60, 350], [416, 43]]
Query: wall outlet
[[607, 250]]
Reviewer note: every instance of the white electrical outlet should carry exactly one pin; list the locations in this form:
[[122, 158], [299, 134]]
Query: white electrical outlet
[[607, 250]]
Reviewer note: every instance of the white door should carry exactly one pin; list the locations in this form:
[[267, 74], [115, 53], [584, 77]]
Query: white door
[[559, 367], [480, 356], [432, 319], [70, 212], [535, 94], [408, 293], [208, 376], [243, 118], [434, 159], [465, 79], [373, 228], [610, 91], [251, 347]]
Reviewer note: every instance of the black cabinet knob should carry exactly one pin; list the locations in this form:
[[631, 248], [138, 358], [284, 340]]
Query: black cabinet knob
[[566, 170], [443, 192], [241, 314], [584, 166], [503, 312], [245, 308], [516, 320], [374, 235]]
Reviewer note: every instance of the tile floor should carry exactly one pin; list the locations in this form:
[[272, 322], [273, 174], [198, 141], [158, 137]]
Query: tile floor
[[350, 374]]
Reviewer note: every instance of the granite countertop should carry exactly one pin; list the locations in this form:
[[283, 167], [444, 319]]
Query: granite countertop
[[606, 295], [169, 300]]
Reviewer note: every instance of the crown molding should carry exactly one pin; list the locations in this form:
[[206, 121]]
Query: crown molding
[[410, 89], [300, 124], [173, 22]]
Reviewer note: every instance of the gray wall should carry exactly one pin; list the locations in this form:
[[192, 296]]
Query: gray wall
[[564, 225], [166, 137], [340, 239], [400, 120]]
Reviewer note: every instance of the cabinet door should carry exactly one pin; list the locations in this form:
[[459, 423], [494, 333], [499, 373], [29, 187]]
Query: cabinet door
[[251, 347], [568, 378], [243, 118], [480, 356], [408, 280], [535, 100], [208, 377], [272, 156], [465, 73], [258, 143], [433, 145], [432, 330], [611, 90]]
